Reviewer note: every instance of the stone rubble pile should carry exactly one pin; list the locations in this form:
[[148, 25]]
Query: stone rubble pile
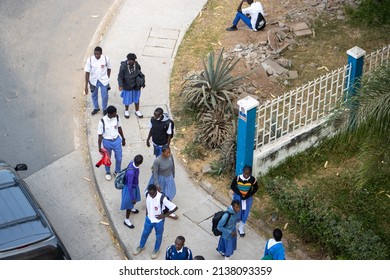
[[284, 33]]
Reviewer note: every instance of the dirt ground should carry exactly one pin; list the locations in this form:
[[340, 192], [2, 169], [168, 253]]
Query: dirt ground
[[208, 33], [265, 89]]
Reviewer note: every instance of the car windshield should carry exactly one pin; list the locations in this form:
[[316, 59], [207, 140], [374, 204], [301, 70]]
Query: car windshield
[[20, 222]]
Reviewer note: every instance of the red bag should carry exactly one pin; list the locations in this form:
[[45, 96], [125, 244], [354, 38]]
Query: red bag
[[105, 159]]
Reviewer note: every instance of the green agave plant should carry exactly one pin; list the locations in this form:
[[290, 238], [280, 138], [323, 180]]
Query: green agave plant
[[214, 127], [226, 163], [213, 86]]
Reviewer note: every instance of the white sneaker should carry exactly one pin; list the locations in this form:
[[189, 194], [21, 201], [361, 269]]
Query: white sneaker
[[173, 216], [139, 114], [138, 250], [155, 254], [127, 114], [108, 177]]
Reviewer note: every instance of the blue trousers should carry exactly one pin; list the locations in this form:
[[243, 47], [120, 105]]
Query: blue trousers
[[244, 213], [104, 92], [115, 146], [148, 226], [244, 18], [157, 150]]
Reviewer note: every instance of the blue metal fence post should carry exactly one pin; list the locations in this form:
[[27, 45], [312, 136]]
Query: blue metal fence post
[[356, 61], [246, 132]]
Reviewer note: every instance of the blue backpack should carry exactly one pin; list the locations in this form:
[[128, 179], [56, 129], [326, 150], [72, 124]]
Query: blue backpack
[[120, 179]]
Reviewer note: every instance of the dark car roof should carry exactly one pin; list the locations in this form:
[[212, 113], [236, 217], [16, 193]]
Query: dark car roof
[[21, 222]]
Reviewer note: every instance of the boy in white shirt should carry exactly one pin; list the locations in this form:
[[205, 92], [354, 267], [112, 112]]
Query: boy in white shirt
[[155, 218], [110, 134], [254, 21], [97, 75]]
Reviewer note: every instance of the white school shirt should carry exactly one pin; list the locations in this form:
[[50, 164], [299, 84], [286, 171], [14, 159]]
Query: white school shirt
[[97, 69], [110, 127], [253, 10], [154, 207]]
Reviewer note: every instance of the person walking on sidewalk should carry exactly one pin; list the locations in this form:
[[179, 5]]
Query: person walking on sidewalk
[[130, 81], [227, 243], [161, 131], [274, 249], [244, 187], [109, 129], [155, 218], [178, 251], [131, 192], [97, 75], [253, 16], [163, 175]]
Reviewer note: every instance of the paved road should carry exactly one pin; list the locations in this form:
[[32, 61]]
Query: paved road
[[43, 45]]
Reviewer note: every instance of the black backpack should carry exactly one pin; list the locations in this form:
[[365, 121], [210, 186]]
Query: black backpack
[[215, 220], [260, 22]]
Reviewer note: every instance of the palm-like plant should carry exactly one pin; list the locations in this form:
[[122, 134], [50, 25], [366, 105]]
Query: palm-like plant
[[371, 125], [214, 127], [213, 86], [226, 163]]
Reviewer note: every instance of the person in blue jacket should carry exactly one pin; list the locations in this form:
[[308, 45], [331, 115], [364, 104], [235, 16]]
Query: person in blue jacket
[[274, 246], [227, 243], [131, 192], [178, 251]]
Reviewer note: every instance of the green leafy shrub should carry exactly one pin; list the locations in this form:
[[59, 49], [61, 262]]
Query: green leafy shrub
[[341, 235], [370, 12]]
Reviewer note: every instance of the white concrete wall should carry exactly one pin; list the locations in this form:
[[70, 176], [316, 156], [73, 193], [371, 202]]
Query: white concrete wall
[[271, 155]]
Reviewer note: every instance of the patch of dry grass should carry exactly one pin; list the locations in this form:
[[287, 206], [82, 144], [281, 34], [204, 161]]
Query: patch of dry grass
[[327, 48]]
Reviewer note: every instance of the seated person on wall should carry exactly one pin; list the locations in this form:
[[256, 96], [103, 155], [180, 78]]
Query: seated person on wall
[[253, 16]]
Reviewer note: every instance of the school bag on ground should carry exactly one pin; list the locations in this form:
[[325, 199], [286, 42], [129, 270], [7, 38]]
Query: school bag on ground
[[215, 220]]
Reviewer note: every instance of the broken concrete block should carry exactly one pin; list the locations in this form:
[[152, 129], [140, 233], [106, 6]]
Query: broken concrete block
[[206, 168], [303, 33], [273, 40], [276, 68], [287, 63], [293, 74], [282, 47], [299, 26]]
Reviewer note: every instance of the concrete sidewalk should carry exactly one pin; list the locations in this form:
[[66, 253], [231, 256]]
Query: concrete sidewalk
[[153, 31]]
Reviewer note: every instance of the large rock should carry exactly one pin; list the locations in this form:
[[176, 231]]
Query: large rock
[[276, 69]]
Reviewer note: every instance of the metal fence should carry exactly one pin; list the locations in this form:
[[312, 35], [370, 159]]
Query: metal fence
[[301, 107], [376, 59]]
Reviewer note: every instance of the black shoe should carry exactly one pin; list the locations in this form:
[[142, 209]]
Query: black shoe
[[104, 112], [135, 211], [222, 254], [242, 234], [132, 226], [94, 112], [232, 28]]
